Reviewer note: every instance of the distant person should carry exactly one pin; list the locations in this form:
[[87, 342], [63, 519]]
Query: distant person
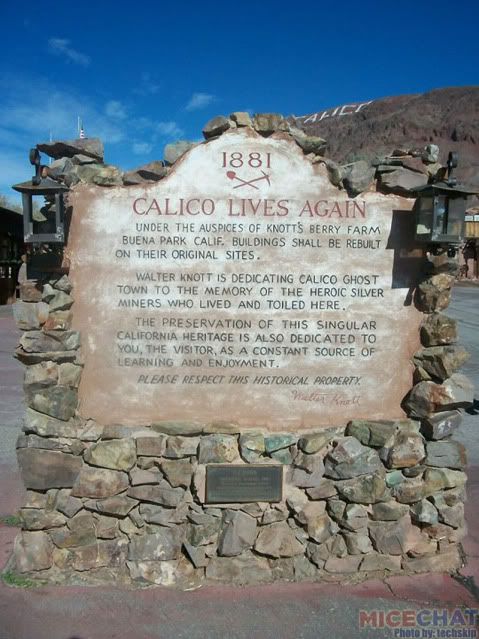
[[469, 253]]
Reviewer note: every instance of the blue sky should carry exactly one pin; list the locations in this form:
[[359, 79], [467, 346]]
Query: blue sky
[[144, 75]]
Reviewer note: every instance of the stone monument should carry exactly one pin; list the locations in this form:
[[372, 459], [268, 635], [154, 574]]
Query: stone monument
[[241, 375]]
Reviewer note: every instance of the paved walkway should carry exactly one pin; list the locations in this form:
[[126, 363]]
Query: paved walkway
[[280, 611]]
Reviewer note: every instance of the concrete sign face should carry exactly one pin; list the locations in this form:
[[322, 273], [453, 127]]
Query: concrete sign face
[[244, 287]]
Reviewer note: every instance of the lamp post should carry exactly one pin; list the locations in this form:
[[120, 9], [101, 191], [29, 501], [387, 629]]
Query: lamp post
[[440, 212], [51, 230]]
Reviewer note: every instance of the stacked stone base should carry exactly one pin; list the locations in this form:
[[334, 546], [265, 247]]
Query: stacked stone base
[[127, 503]]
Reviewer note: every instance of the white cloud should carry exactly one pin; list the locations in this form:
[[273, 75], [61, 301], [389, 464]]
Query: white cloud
[[33, 109], [61, 47], [142, 148], [115, 109], [169, 129], [199, 101], [147, 85]]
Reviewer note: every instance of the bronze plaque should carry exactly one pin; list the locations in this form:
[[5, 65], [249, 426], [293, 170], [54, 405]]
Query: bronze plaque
[[227, 483]]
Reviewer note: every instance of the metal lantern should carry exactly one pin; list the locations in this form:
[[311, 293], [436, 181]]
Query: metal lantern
[[49, 227], [440, 209]]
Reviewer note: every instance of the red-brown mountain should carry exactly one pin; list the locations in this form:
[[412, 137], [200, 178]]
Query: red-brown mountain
[[446, 117]]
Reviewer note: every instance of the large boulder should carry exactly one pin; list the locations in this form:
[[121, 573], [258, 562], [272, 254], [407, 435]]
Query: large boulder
[[427, 398], [238, 533], [33, 551], [357, 177], [278, 540], [99, 482], [402, 181], [91, 147], [116, 454], [349, 458], [159, 546], [440, 362], [438, 330], [44, 469]]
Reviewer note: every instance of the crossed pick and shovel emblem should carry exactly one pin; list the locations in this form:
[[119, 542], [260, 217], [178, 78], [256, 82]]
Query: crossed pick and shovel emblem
[[232, 176]]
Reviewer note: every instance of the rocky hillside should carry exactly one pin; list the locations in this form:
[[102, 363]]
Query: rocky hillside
[[446, 117]]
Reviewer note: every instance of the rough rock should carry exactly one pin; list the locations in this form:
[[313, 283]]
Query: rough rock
[[375, 561], [238, 533], [154, 514], [409, 490], [57, 401], [434, 293], [343, 565], [99, 174], [389, 511], [204, 531], [162, 494], [428, 397], [325, 489], [110, 553], [57, 300], [268, 123], [278, 540], [449, 561], [139, 477], [440, 362], [364, 489], [64, 445], [242, 118], [119, 505], [116, 454], [151, 446], [349, 458], [176, 427], [423, 512], [59, 321], [33, 551], [218, 449], [274, 513], [314, 442], [31, 291], [357, 177], [407, 450], [446, 454], [319, 525], [402, 181], [91, 147], [278, 442], [283, 456], [29, 316], [59, 168], [441, 425], [375, 434], [438, 330], [395, 537], [437, 479], [46, 426], [430, 155], [44, 469], [161, 545], [67, 504], [309, 143], [216, 126], [99, 482], [178, 472], [196, 554], [174, 151], [358, 543], [69, 374], [450, 514], [242, 570], [251, 446], [50, 341], [34, 519], [40, 376], [181, 447], [151, 172]]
